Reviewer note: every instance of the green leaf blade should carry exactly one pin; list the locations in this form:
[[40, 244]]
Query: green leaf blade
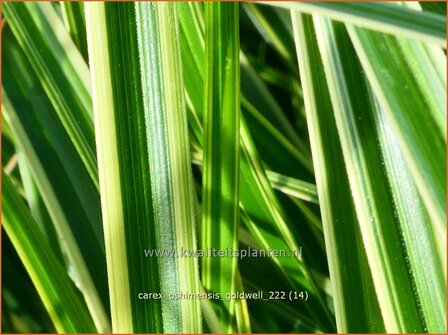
[[109, 168], [348, 267], [380, 16], [380, 227], [413, 111], [183, 192], [221, 150], [143, 209], [73, 219], [74, 20], [268, 223], [66, 83], [54, 286]]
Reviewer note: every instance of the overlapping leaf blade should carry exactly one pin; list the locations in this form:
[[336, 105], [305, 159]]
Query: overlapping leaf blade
[[54, 286], [257, 197], [220, 217], [349, 270], [125, 203], [377, 132], [74, 20], [182, 193], [41, 34], [73, 207], [416, 111], [379, 228], [385, 17], [143, 208]]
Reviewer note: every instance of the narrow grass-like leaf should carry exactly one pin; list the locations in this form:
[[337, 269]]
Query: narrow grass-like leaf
[[291, 186], [67, 190], [296, 188], [278, 153], [260, 274], [380, 228], [349, 271], [74, 20], [272, 219], [146, 127], [385, 17], [37, 207], [210, 318], [41, 118], [241, 311], [253, 90], [61, 68], [59, 215], [220, 216], [124, 178], [425, 260], [57, 291], [8, 150], [372, 76], [268, 224], [19, 294], [414, 102], [271, 26], [168, 145]]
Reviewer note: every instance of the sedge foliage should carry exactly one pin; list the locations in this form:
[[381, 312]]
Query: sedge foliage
[[286, 126]]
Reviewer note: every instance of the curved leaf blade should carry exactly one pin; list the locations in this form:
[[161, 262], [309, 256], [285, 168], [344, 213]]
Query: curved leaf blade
[[54, 287], [385, 17], [41, 34], [349, 270]]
